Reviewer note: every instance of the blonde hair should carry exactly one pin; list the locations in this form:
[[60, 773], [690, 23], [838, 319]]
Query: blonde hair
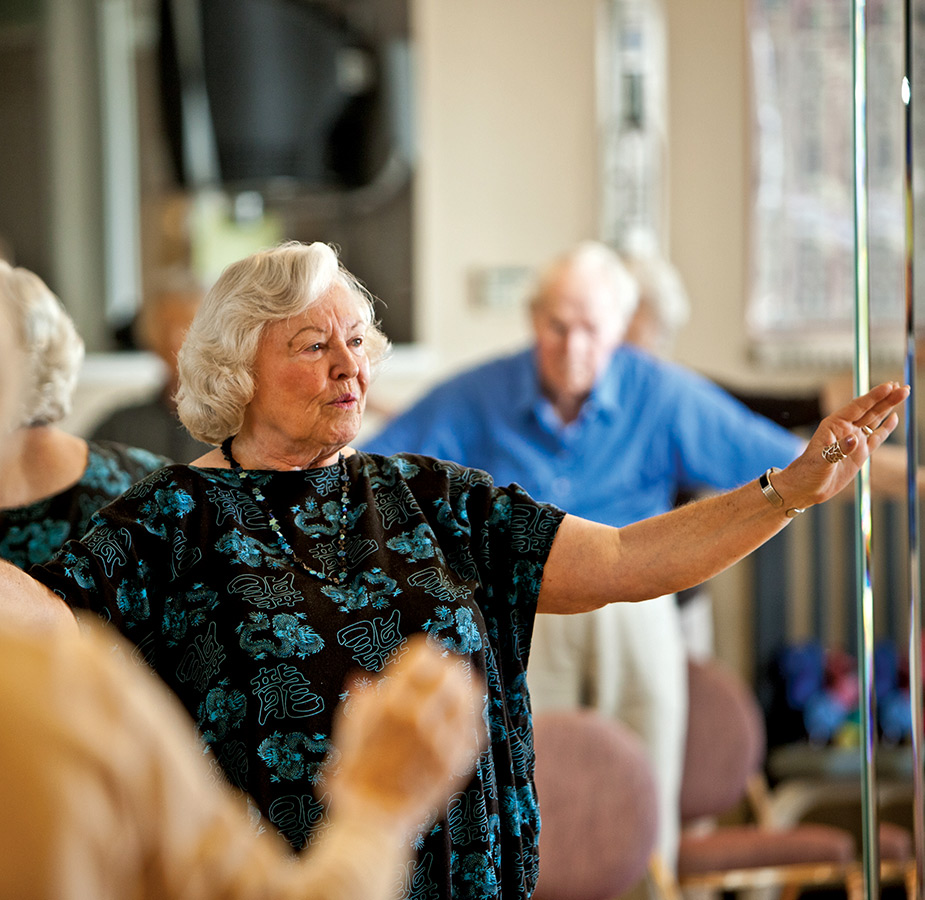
[[53, 351], [217, 358]]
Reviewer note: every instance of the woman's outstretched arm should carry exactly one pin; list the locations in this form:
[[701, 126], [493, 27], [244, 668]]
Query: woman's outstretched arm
[[591, 565]]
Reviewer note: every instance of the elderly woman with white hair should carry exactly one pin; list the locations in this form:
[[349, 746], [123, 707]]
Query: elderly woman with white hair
[[257, 577], [52, 481]]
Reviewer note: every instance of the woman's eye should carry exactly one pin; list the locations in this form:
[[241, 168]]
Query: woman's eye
[[357, 342]]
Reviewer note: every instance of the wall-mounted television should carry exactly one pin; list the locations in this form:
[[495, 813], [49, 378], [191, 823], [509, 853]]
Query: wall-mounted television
[[263, 91]]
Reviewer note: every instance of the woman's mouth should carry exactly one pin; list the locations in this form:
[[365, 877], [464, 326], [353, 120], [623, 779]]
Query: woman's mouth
[[345, 401]]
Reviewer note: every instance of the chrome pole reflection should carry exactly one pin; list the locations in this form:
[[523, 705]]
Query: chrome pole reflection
[[912, 505], [865, 622]]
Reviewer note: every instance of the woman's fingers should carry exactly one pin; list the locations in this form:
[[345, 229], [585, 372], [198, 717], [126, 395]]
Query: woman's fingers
[[871, 409]]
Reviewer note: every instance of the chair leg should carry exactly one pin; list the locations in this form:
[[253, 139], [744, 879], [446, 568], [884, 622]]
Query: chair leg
[[663, 881], [854, 883]]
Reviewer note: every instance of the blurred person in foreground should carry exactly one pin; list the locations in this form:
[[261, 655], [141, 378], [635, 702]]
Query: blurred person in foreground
[[257, 578], [153, 423], [106, 793], [52, 482], [606, 431]]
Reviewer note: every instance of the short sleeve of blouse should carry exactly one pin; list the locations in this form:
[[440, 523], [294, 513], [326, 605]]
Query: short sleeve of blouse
[[502, 533]]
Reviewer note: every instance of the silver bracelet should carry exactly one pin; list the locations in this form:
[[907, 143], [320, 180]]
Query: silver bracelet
[[775, 499]]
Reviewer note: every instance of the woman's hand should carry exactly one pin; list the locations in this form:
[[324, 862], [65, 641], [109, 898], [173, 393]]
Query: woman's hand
[[408, 740], [840, 446]]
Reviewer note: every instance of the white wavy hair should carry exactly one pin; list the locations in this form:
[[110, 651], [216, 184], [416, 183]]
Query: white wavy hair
[[52, 349], [217, 357]]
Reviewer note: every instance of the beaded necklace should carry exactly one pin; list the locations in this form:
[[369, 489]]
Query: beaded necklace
[[284, 545]]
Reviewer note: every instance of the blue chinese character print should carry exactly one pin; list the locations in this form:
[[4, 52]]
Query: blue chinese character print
[[375, 642], [232, 757], [201, 660], [418, 879], [285, 693], [267, 591], [296, 816]]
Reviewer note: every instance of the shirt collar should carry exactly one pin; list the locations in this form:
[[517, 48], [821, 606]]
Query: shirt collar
[[604, 399]]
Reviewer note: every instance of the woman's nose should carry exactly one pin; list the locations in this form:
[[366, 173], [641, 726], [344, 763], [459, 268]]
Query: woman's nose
[[345, 363]]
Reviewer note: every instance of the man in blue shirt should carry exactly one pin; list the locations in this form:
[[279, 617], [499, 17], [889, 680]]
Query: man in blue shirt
[[610, 433]]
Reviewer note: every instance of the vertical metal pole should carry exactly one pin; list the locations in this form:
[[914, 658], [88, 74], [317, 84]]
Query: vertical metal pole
[[870, 824], [912, 505]]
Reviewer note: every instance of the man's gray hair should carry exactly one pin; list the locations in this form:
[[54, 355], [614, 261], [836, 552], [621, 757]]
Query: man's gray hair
[[593, 256]]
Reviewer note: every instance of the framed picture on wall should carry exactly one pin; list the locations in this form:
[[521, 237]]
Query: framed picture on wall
[[802, 289]]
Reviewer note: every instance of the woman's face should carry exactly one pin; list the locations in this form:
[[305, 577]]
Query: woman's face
[[312, 374]]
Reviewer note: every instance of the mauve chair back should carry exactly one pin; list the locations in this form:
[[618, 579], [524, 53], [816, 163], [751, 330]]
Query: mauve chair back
[[726, 741], [597, 805]]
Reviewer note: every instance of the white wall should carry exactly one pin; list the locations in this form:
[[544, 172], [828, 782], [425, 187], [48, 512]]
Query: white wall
[[508, 172], [708, 176], [507, 153]]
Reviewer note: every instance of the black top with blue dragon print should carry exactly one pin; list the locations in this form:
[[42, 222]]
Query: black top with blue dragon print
[[33, 533], [258, 650]]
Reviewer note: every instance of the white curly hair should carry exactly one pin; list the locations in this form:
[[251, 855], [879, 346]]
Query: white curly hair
[[217, 357], [52, 350]]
